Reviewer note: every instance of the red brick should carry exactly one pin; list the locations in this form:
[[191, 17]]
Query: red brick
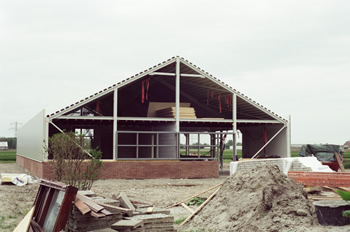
[[135, 169]]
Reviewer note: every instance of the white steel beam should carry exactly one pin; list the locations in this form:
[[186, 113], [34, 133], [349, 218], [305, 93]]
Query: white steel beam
[[173, 119], [289, 139], [192, 75], [162, 74], [284, 126], [174, 74], [115, 123], [256, 121], [177, 95], [59, 129], [234, 124], [87, 117]]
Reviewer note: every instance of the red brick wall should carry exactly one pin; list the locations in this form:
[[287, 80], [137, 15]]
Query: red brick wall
[[135, 169], [331, 179], [39, 169]]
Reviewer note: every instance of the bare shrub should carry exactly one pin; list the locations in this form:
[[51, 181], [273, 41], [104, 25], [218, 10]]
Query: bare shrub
[[72, 163]]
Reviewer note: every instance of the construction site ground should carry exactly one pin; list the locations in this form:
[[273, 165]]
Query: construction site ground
[[16, 201]]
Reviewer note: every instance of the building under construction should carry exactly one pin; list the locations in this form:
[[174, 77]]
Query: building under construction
[[169, 121]]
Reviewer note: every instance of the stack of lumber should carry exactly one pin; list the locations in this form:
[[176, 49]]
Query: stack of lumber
[[92, 213], [129, 226], [185, 112], [145, 218], [154, 222]]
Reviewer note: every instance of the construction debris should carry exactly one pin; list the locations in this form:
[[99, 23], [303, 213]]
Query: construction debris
[[155, 222], [17, 179], [128, 225], [95, 213]]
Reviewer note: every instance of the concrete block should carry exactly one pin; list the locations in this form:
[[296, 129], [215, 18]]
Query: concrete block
[[127, 224]]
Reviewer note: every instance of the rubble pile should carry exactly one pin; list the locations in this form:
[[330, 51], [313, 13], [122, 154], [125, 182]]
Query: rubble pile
[[91, 212], [263, 199]]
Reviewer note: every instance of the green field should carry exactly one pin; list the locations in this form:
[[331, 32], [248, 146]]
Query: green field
[[8, 156]]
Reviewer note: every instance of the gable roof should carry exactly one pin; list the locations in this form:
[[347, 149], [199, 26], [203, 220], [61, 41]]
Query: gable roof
[[187, 68]]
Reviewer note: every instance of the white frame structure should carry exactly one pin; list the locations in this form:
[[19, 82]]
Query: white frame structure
[[278, 129]]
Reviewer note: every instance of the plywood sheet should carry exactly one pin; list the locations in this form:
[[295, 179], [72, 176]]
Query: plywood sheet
[[154, 106], [25, 223]]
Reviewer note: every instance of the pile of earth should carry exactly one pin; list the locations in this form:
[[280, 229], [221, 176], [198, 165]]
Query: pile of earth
[[263, 199]]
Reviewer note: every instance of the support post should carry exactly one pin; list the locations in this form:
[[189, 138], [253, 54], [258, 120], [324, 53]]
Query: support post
[[115, 123], [234, 124], [289, 139], [177, 95]]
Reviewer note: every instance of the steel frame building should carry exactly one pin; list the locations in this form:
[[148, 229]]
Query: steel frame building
[[122, 120]]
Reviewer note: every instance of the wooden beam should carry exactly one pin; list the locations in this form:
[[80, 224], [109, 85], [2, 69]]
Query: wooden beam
[[337, 156], [178, 203], [188, 208], [199, 208]]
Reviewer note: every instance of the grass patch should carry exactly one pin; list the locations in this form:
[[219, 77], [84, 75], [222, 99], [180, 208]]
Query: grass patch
[[196, 201], [179, 221], [7, 156]]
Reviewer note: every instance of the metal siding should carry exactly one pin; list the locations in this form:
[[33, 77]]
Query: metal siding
[[31, 137]]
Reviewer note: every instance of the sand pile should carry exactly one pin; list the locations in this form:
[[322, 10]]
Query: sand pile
[[263, 199]]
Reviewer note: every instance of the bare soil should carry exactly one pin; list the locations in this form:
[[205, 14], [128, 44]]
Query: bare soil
[[16, 201]]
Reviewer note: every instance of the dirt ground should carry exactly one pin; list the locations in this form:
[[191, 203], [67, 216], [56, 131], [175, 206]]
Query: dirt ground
[[16, 201]]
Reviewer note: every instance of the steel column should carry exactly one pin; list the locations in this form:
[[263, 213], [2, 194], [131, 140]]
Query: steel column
[[177, 97], [115, 124], [234, 124]]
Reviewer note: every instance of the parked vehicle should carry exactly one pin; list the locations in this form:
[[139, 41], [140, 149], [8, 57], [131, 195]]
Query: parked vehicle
[[324, 153]]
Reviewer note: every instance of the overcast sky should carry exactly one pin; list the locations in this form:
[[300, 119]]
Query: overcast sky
[[293, 57]]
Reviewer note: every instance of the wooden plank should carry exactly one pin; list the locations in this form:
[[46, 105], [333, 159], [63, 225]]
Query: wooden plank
[[345, 189], [81, 206], [92, 204], [106, 212], [337, 156], [25, 223], [178, 203], [186, 207], [125, 202], [97, 214], [199, 208], [123, 210]]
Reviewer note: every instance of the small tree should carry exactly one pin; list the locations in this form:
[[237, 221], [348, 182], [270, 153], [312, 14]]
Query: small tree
[[72, 163]]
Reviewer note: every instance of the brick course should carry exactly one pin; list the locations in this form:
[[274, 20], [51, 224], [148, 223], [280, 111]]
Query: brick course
[[331, 179], [135, 169]]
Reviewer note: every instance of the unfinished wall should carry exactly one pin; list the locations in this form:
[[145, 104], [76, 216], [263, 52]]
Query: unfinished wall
[[135, 169], [253, 141], [167, 139], [31, 136]]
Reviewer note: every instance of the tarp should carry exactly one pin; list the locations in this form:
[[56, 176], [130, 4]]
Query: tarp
[[322, 152]]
